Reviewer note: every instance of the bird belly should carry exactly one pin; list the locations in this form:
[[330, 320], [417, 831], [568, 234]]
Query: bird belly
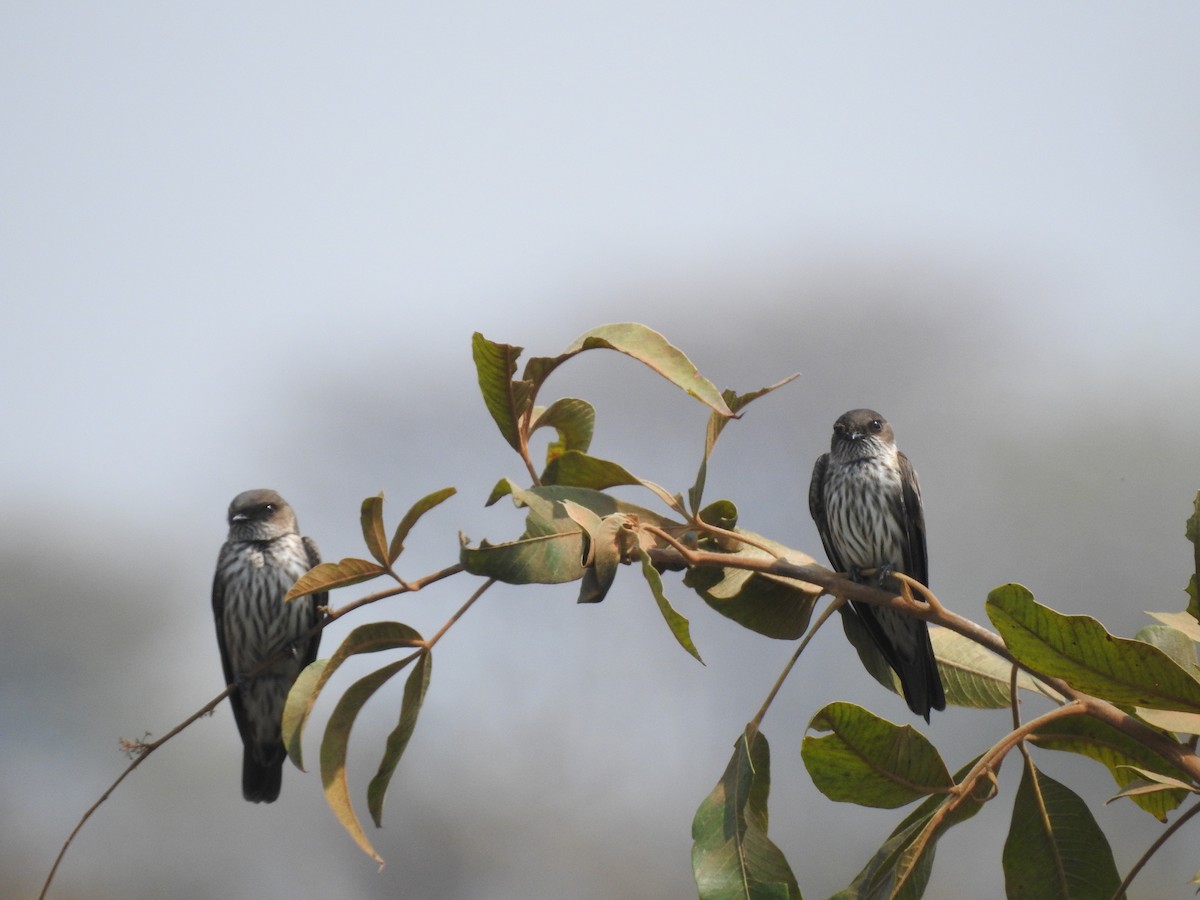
[[257, 621], [859, 504]]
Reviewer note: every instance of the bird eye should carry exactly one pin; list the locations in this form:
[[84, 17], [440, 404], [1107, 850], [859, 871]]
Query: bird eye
[[876, 425], [268, 507]]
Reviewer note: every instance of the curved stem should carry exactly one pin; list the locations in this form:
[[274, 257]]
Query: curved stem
[[1168, 832], [1179, 755], [762, 710], [142, 749]]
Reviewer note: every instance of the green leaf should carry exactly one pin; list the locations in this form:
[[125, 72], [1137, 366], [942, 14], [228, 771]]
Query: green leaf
[[543, 559], [1114, 749], [716, 424], [869, 761], [335, 743], [553, 546], [732, 857], [770, 605], [1193, 534], [651, 348], [575, 469], [868, 652], [974, 676], [678, 624], [507, 400], [900, 868], [418, 509], [1180, 621], [1055, 850], [1174, 643], [574, 420], [1169, 720], [1148, 782], [414, 695], [610, 542], [300, 699], [372, 528], [328, 576], [370, 638], [1079, 650]]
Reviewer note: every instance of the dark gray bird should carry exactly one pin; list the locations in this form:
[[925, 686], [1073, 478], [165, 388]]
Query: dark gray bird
[[866, 501], [261, 560]]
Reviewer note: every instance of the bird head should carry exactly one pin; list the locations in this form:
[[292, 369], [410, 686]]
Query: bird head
[[860, 434], [260, 515]]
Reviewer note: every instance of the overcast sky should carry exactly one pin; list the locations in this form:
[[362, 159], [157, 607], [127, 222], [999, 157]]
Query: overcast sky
[[246, 246]]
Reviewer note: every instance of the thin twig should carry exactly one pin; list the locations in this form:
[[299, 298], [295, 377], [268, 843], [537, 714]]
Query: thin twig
[[459, 614], [1178, 755], [143, 750], [1153, 848], [762, 711]]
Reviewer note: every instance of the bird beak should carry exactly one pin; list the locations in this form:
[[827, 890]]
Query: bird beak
[[238, 517]]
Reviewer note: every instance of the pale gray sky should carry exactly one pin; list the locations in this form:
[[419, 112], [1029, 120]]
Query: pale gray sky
[[246, 246]]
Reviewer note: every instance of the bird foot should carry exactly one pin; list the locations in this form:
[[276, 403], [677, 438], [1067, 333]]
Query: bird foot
[[883, 573]]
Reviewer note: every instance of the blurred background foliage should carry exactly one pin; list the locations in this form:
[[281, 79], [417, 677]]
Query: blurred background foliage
[[246, 247]]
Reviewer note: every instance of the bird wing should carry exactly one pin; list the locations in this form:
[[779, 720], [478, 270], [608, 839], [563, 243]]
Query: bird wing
[[912, 515], [317, 600], [816, 506], [218, 604]]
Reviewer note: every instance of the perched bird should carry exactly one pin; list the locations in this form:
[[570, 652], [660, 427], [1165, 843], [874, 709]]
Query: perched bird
[[259, 562], [866, 501]]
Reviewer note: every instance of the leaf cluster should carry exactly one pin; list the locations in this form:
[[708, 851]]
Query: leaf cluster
[[1130, 704]]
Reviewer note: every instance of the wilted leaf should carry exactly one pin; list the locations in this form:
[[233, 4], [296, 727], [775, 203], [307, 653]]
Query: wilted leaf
[[1079, 650], [328, 576], [418, 509], [1055, 850], [334, 745], [1114, 749], [869, 761], [370, 638], [397, 742], [732, 857], [678, 624]]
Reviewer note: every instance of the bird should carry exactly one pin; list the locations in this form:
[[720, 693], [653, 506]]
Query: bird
[[866, 502], [262, 558]]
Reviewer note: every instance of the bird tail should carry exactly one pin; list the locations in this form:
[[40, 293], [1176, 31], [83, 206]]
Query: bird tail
[[262, 773], [919, 678], [923, 689]]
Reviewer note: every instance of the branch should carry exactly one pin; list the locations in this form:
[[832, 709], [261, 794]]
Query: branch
[[142, 749], [1173, 752]]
